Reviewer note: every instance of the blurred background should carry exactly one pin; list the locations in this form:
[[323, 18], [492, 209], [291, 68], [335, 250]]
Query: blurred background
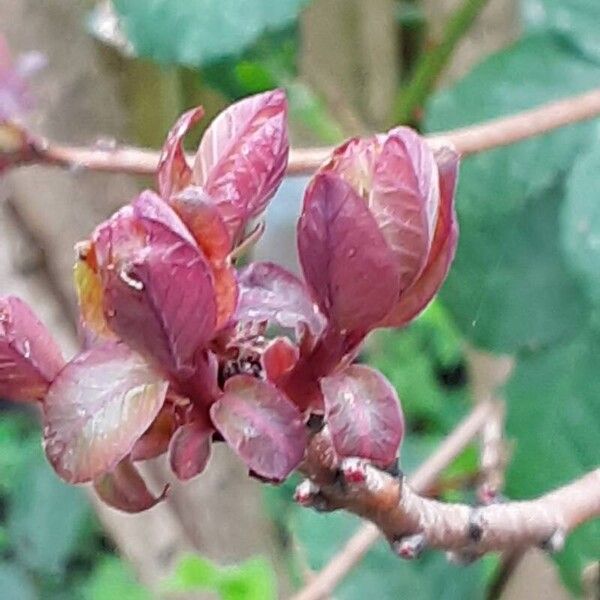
[[519, 309]]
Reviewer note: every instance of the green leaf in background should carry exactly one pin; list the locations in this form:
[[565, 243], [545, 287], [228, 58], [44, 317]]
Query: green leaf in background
[[580, 220], [272, 62], [111, 579], [509, 281], [45, 521], [554, 418], [509, 288], [381, 574], [318, 537], [579, 19], [196, 32], [253, 579], [535, 70], [417, 361], [15, 583]]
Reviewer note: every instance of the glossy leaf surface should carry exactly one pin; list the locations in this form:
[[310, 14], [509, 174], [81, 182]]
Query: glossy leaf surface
[[97, 408], [189, 451], [243, 154], [158, 287], [363, 413], [279, 358], [442, 251], [270, 293], [202, 217], [155, 440], [29, 357], [174, 172], [262, 426], [344, 256]]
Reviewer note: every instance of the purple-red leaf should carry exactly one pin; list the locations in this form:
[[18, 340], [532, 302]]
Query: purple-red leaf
[[29, 357], [189, 451], [263, 427], [97, 408], [345, 258], [243, 155], [174, 173], [155, 440], [405, 198], [443, 247], [279, 358], [159, 294], [149, 207], [363, 413], [270, 293], [205, 222], [124, 488]]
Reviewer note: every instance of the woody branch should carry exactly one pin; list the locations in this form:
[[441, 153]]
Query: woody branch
[[18, 148], [411, 522]]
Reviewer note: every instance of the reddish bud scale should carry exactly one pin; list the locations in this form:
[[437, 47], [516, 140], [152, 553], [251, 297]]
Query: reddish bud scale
[[377, 231]]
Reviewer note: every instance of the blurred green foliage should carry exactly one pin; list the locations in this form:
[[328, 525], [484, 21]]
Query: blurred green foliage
[[251, 580], [525, 279], [195, 32], [51, 546]]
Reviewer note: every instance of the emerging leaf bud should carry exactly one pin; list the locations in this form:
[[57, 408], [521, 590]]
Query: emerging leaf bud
[[239, 164], [378, 231]]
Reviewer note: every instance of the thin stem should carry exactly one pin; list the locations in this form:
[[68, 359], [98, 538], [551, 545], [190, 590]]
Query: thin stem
[[411, 523], [358, 545], [304, 161], [434, 61]]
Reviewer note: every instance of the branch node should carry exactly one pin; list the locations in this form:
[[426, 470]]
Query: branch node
[[556, 542], [488, 494], [475, 526], [462, 558], [354, 471], [306, 493], [409, 547], [395, 471]]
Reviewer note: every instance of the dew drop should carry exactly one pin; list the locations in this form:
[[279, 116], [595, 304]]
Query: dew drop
[[106, 144], [130, 280]]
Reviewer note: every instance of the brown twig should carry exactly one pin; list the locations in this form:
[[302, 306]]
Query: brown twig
[[357, 546], [411, 522], [304, 161], [492, 462]]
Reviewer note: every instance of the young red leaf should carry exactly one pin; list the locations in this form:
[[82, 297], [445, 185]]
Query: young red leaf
[[189, 450], [243, 154], [279, 358], [149, 207], [174, 172], [263, 427], [155, 440], [29, 357], [363, 413], [405, 198], [205, 222], [97, 408], [159, 292], [270, 293], [345, 258], [90, 295], [123, 488], [443, 247], [201, 385]]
